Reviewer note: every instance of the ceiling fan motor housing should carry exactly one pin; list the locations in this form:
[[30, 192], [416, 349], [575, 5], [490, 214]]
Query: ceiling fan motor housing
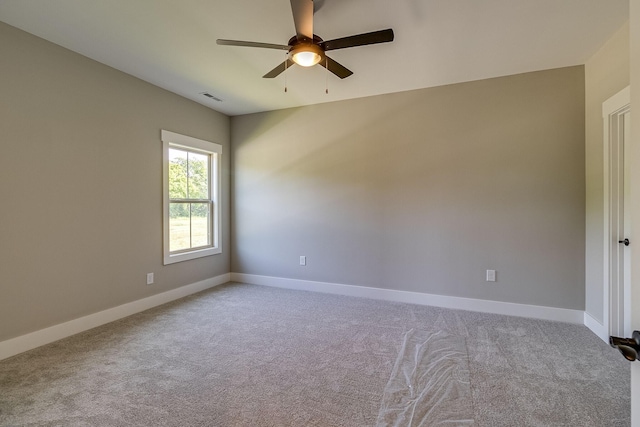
[[306, 52]]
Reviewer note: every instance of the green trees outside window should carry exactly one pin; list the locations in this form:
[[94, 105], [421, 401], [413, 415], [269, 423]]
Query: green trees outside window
[[189, 204]]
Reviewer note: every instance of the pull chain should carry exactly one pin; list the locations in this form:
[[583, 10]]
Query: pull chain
[[326, 76], [286, 60]]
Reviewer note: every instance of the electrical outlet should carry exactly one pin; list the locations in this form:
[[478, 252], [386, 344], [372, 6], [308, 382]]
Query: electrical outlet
[[149, 278], [303, 260], [491, 275]]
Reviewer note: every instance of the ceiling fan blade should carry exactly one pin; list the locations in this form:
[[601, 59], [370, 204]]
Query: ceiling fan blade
[[279, 69], [224, 42], [303, 18], [336, 68], [382, 36]]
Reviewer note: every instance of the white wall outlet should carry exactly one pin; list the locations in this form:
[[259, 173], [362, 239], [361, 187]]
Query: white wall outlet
[[303, 260], [149, 278], [491, 275]]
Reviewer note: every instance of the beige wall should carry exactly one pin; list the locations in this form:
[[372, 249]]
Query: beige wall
[[421, 191], [606, 73], [81, 185]]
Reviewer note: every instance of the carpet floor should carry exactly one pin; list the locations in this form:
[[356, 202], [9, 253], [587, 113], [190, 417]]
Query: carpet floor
[[242, 355]]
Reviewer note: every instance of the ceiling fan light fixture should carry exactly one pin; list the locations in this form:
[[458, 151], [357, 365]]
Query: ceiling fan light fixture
[[306, 55]]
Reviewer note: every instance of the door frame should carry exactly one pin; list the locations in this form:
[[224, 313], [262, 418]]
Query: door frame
[[617, 319]]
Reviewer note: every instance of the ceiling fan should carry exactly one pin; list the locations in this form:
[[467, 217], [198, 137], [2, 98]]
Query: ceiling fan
[[307, 49]]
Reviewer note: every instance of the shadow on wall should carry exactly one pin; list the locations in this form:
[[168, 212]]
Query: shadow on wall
[[421, 190]]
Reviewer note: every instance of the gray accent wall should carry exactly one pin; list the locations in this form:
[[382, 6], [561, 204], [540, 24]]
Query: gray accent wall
[[421, 191], [81, 185], [606, 73]]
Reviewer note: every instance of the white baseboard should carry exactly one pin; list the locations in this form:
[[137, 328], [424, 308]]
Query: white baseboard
[[470, 304], [35, 339], [596, 327]]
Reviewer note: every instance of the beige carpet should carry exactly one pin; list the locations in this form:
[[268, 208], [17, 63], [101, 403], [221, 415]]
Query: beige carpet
[[241, 355]]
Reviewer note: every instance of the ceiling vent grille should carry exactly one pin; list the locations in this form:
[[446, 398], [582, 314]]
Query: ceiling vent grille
[[208, 95]]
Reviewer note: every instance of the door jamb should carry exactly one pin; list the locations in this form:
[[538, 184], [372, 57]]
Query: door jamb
[[612, 109]]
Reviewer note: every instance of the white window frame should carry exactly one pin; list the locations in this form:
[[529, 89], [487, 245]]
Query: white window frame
[[169, 140]]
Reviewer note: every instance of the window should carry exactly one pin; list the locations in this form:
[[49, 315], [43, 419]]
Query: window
[[191, 187]]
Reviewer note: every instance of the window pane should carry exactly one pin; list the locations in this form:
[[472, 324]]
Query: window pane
[[200, 224], [179, 227], [198, 176], [178, 172]]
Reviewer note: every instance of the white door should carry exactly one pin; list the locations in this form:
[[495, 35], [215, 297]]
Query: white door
[[617, 224]]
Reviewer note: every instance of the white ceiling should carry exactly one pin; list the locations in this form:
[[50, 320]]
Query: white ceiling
[[172, 43]]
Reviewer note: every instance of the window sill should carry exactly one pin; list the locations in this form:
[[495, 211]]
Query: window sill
[[186, 256]]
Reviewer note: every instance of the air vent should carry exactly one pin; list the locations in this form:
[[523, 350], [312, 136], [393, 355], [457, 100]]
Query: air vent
[[208, 95]]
